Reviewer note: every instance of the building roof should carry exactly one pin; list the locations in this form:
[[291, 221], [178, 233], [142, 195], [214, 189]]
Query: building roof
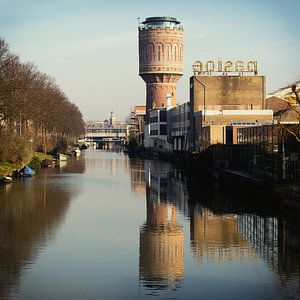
[[291, 114], [160, 19], [276, 103], [140, 107], [287, 90]]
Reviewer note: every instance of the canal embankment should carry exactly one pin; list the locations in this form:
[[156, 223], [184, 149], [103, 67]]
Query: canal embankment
[[204, 167], [34, 161]]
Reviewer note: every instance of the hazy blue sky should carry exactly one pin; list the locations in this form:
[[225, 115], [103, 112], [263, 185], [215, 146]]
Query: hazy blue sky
[[90, 47]]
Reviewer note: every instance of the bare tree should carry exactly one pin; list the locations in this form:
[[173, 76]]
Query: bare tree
[[33, 108], [292, 129]]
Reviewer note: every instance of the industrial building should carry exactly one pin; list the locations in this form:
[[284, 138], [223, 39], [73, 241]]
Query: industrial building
[[224, 97], [219, 106]]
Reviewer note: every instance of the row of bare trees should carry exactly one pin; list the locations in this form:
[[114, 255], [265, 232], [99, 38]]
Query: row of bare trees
[[34, 112]]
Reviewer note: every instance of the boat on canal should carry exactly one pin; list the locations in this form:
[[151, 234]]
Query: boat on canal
[[62, 157], [48, 163], [6, 179], [76, 151], [26, 171]]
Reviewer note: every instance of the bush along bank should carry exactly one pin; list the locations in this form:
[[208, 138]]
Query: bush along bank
[[34, 162]]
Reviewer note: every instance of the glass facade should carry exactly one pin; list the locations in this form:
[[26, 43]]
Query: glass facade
[[160, 22]]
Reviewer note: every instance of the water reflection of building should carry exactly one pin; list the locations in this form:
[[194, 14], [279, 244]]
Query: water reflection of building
[[137, 174], [161, 237], [224, 228], [277, 242], [216, 238], [261, 234]]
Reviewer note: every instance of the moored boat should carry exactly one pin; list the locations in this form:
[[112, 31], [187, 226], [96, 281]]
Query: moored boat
[[27, 172], [76, 151], [47, 163], [62, 157], [6, 179]]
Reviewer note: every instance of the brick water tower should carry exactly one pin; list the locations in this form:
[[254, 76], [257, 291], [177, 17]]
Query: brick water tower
[[160, 59]]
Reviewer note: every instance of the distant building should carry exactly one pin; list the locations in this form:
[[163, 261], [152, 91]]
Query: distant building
[[285, 111], [169, 129], [106, 134], [287, 93], [156, 131], [276, 103], [112, 119], [180, 127], [137, 123]]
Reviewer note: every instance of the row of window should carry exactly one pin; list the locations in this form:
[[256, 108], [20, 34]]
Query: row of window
[[162, 117], [159, 52], [162, 24], [181, 117], [256, 135], [114, 130], [154, 119], [162, 130]]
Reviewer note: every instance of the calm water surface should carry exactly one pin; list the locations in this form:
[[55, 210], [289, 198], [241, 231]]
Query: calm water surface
[[107, 227]]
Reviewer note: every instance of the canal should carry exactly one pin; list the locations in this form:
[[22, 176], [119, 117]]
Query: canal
[[104, 226]]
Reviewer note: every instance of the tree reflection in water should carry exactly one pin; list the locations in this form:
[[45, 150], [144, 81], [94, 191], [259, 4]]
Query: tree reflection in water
[[31, 210]]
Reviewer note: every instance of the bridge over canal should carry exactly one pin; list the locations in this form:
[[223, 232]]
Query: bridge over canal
[[105, 134]]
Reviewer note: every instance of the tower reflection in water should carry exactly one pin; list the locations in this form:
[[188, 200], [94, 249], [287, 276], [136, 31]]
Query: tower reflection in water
[[224, 230], [161, 237]]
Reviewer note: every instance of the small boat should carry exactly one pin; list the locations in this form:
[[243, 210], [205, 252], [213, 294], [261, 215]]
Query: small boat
[[62, 157], [47, 163], [27, 172], [76, 151], [6, 179], [62, 163]]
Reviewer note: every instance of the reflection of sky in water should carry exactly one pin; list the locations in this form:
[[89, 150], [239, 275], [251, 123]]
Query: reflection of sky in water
[[76, 232]]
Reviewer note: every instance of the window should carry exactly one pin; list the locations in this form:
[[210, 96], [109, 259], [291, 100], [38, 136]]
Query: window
[[162, 116], [150, 51], [153, 119], [163, 129], [159, 52], [180, 53], [154, 132], [175, 52], [168, 52]]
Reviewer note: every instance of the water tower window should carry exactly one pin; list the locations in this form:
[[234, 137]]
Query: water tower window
[[180, 53], [158, 52], [168, 52]]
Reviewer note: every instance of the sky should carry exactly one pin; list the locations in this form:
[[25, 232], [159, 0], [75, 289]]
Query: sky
[[90, 47]]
